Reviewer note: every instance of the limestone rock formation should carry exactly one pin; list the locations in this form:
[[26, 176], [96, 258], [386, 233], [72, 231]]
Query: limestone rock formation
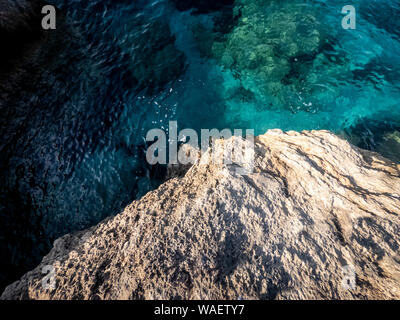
[[314, 209]]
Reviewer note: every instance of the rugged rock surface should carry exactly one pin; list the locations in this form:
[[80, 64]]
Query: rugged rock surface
[[313, 205]]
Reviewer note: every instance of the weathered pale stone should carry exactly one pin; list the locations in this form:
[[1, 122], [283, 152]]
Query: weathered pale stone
[[313, 205]]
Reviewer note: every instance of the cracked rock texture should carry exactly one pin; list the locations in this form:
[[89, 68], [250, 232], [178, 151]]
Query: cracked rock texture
[[314, 207]]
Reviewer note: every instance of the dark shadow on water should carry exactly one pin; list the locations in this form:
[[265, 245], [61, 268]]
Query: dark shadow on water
[[60, 135], [381, 135]]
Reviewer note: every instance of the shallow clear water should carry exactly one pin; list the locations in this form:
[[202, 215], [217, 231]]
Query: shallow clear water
[[126, 67]]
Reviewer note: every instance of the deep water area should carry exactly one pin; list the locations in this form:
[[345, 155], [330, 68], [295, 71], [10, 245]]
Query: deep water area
[[73, 136]]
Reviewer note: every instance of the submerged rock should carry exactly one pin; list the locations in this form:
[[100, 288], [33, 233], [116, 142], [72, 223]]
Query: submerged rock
[[314, 208], [156, 60], [281, 51], [202, 6], [390, 146], [19, 25], [378, 133], [20, 34]]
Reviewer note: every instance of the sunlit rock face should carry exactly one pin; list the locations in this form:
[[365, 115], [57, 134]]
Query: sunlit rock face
[[317, 219]]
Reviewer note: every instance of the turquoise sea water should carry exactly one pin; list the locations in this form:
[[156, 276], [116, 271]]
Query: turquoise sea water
[[132, 66]]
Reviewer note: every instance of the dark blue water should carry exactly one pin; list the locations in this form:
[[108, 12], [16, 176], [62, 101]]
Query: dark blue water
[[73, 142]]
